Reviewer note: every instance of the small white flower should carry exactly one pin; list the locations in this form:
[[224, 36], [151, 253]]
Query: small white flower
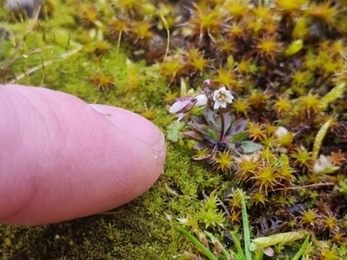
[[201, 100], [182, 106], [221, 97]]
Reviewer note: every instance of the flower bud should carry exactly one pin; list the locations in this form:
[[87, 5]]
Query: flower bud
[[201, 100], [182, 106]]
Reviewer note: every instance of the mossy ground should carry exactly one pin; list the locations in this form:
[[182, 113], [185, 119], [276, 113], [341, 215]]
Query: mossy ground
[[286, 55], [142, 229]]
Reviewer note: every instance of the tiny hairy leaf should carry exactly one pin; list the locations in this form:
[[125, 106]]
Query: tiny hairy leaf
[[173, 131], [250, 147]]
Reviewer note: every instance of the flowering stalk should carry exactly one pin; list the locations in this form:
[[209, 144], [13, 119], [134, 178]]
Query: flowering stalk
[[220, 98], [222, 125]]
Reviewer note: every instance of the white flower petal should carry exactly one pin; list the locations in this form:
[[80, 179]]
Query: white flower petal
[[201, 100], [230, 98], [216, 105], [177, 106]]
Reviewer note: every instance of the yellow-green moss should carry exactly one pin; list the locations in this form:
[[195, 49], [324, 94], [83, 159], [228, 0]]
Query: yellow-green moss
[[75, 50], [141, 229]]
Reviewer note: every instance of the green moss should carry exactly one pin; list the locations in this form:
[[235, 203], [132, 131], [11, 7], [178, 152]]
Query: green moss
[[81, 48], [140, 229]]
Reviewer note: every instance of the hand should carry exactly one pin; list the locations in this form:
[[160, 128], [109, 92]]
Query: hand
[[61, 158]]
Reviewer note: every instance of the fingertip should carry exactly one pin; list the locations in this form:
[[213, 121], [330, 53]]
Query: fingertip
[[133, 124], [74, 160]]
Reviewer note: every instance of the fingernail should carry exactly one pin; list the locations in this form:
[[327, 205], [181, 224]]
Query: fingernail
[[134, 125]]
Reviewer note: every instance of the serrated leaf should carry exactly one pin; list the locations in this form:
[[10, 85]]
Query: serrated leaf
[[335, 93], [319, 139], [173, 131], [281, 238], [250, 147]]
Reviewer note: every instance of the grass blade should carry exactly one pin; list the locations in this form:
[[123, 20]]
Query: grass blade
[[246, 230], [212, 237], [240, 252], [302, 249], [198, 244]]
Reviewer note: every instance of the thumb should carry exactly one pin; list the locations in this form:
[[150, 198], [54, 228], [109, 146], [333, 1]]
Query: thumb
[[61, 158]]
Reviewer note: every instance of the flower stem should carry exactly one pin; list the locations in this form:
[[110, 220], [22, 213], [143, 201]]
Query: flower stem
[[222, 125]]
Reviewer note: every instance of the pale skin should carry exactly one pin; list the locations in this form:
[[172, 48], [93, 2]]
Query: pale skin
[[61, 158]]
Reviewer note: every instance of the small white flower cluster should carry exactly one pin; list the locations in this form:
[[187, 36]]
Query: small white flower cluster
[[221, 97]]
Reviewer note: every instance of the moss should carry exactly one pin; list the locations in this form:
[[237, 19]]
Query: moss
[[285, 63], [137, 230]]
